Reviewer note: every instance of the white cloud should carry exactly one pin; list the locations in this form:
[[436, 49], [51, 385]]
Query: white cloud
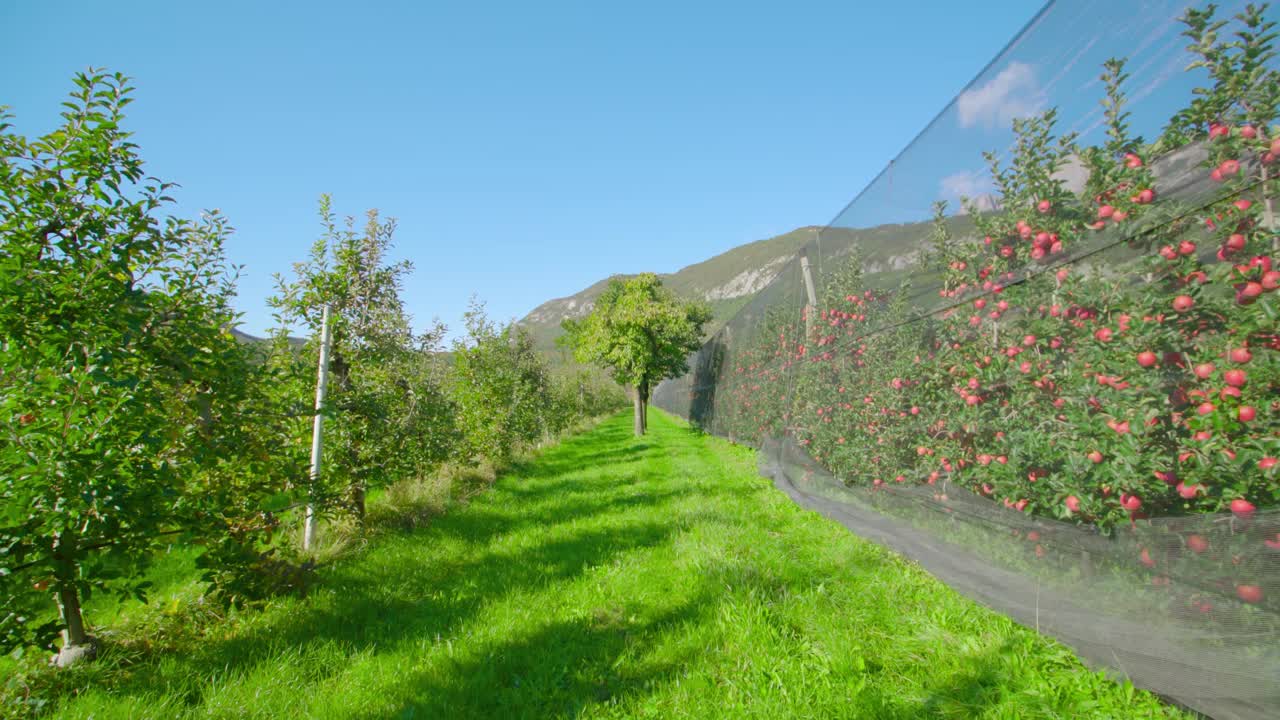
[[1013, 93], [975, 185], [965, 184]]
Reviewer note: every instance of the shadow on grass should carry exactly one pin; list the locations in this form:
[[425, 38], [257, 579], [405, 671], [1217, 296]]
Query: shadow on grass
[[966, 694], [392, 596], [558, 671], [396, 598], [485, 523], [383, 607], [555, 465]]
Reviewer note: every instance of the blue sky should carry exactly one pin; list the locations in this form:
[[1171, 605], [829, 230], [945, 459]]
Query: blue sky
[[527, 149], [1055, 63]]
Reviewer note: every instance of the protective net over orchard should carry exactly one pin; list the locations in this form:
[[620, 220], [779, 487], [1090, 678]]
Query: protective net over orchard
[[1040, 353]]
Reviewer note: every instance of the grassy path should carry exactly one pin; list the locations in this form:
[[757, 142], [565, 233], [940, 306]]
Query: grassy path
[[614, 578]]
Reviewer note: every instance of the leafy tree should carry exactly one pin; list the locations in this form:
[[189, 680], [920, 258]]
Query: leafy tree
[[388, 405], [642, 333], [500, 386], [121, 388], [581, 392]]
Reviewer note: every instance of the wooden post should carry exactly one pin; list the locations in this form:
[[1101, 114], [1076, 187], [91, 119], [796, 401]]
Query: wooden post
[[810, 294], [317, 428], [1268, 210]]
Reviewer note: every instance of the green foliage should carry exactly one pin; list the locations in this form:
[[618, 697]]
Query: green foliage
[[1245, 82], [500, 386], [389, 415], [640, 331], [579, 393], [122, 390], [136, 419]]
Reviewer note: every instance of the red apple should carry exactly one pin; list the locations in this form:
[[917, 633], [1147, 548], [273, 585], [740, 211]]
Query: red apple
[[1146, 358], [1095, 456], [1251, 594], [1250, 291], [1235, 377], [1197, 543], [1188, 491], [1183, 303], [1240, 355], [1246, 413], [1203, 371], [1073, 503], [1242, 507]]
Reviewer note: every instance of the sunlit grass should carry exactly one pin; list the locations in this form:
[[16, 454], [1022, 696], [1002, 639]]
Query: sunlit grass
[[612, 577]]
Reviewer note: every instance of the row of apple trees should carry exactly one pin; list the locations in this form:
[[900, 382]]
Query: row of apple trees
[[133, 419], [1096, 357]]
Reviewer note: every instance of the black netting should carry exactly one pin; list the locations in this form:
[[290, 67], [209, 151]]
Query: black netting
[[1051, 374]]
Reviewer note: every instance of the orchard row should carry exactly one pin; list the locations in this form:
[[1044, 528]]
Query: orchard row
[[1098, 357], [133, 419]]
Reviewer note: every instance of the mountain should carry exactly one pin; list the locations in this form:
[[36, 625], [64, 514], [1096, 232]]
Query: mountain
[[247, 339], [888, 253], [726, 282]]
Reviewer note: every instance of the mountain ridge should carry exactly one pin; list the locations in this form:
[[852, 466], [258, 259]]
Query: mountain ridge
[[726, 281]]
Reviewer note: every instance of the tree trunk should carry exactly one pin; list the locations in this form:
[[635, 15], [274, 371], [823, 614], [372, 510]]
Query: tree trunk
[[639, 413], [76, 643], [72, 618], [357, 500], [644, 406]]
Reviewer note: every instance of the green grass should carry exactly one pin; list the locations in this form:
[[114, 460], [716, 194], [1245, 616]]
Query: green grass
[[615, 578]]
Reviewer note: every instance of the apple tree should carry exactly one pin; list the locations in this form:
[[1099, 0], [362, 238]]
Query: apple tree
[[390, 414], [120, 383], [500, 386], [642, 333]]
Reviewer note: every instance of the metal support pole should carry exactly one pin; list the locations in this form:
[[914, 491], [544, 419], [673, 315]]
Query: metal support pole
[[317, 429]]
